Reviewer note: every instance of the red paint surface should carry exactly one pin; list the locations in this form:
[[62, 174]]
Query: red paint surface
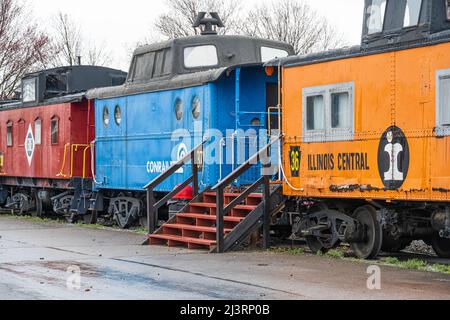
[[75, 127]]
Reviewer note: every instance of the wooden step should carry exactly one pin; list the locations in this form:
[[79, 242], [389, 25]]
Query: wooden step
[[235, 195], [213, 205], [203, 242], [193, 228], [208, 217]]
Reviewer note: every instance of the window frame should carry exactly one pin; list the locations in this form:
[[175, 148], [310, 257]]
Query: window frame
[[329, 133], [10, 133], [382, 22], [203, 66], [57, 120], [36, 141], [21, 132], [441, 130], [418, 18], [263, 47], [447, 7]]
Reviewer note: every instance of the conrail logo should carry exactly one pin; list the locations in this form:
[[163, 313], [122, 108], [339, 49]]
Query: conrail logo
[[393, 158]]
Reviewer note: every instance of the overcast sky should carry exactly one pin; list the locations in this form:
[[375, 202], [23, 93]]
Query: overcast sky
[[118, 25]]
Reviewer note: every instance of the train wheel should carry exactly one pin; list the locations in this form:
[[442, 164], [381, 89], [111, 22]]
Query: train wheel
[[90, 217], [441, 246], [315, 245], [370, 248], [39, 207]]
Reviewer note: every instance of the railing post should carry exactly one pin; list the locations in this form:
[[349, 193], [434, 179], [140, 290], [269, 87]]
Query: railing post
[[267, 207], [220, 221], [194, 173], [151, 211]]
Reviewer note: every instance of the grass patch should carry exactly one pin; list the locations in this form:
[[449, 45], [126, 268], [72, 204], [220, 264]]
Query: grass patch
[[415, 264], [36, 219], [287, 250], [335, 254]]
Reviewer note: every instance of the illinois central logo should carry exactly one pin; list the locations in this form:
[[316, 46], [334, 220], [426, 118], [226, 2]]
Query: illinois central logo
[[393, 158], [29, 145]]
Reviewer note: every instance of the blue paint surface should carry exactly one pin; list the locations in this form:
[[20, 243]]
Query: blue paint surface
[[134, 152]]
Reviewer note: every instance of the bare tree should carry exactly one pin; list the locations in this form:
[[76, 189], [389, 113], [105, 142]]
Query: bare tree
[[178, 21], [22, 46], [294, 22], [69, 43]]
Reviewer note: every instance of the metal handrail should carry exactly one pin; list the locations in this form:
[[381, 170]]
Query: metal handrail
[[264, 181], [152, 205]]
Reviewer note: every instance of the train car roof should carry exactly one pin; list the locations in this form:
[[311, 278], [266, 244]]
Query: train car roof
[[63, 85], [232, 51], [433, 27]]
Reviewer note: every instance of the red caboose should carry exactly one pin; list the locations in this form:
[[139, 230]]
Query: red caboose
[[45, 140]]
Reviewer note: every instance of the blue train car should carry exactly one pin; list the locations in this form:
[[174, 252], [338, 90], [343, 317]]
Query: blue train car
[[177, 94]]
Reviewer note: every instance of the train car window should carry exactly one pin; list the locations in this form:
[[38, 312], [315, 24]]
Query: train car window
[[268, 54], [328, 112], [143, 66], [196, 108], [377, 12], [412, 13], [105, 117], [159, 64], [55, 131], [200, 56], [118, 115], [179, 109], [340, 110], [9, 134], [38, 132], [21, 132], [315, 113], [443, 102], [447, 4], [167, 69], [29, 90], [56, 83]]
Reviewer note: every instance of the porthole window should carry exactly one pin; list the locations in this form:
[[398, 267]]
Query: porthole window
[[179, 109], [196, 108], [118, 115], [105, 116]]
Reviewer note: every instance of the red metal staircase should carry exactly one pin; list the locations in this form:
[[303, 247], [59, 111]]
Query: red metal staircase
[[195, 226], [215, 220]]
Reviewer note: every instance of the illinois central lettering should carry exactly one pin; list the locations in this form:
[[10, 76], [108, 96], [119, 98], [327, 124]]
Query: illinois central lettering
[[340, 161]]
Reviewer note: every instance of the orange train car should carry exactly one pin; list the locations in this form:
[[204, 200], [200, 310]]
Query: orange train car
[[366, 146]]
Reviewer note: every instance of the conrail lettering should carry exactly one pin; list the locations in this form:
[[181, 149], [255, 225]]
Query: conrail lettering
[[340, 161]]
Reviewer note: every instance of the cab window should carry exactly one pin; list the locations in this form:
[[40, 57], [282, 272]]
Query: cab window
[[55, 131], [200, 56], [9, 134], [376, 13], [268, 54], [151, 65], [443, 102], [143, 66], [447, 4], [412, 13]]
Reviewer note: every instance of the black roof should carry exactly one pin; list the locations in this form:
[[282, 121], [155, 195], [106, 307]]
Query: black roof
[[433, 28], [66, 84], [232, 51]]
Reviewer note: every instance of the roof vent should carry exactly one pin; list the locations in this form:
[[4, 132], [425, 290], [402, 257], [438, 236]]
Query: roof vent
[[208, 26]]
